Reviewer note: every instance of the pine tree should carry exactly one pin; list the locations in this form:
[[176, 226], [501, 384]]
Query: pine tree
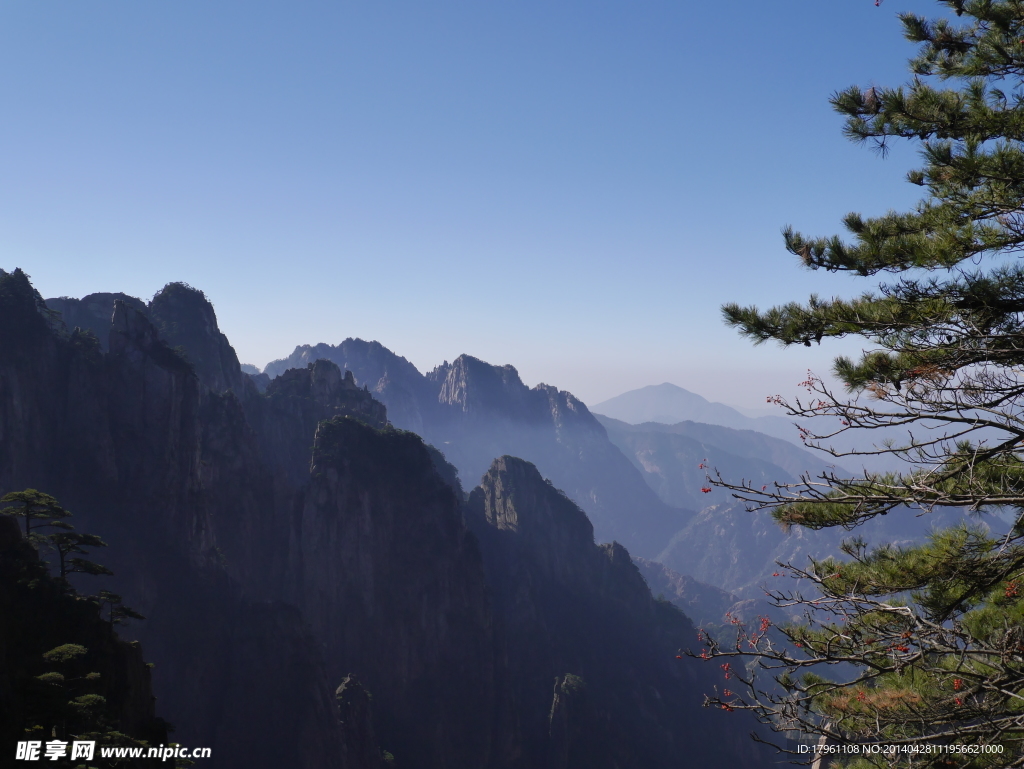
[[33, 505], [934, 633], [117, 612], [68, 545]]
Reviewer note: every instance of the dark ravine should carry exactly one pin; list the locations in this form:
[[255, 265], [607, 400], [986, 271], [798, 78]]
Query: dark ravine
[[284, 543]]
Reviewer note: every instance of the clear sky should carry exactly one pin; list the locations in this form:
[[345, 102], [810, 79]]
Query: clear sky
[[571, 187]]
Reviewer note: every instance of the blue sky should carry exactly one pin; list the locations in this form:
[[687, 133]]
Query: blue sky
[[571, 187]]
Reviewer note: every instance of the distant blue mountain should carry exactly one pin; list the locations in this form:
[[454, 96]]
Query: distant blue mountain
[[672, 458], [670, 404]]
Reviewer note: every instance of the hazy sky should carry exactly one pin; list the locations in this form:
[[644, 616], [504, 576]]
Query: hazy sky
[[571, 187]]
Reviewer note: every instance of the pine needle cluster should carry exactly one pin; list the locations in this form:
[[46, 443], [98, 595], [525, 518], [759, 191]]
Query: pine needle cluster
[[933, 633]]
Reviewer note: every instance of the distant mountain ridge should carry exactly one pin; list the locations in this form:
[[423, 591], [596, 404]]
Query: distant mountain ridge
[[474, 411], [670, 404], [676, 460], [182, 316], [737, 550], [285, 540], [705, 605]]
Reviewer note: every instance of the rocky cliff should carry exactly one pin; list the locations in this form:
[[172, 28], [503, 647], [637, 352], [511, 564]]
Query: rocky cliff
[[98, 689], [591, 677], [394, 381], [92, 312], [182, 316], [172, 476], [393, 585], [474, 411], [312, 576]]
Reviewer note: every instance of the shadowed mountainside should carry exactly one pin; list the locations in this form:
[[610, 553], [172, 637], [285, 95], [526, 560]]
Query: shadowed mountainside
[[184, 319], [283, 543], [56, 652], [172, 476], [621, 701], [474, 411]]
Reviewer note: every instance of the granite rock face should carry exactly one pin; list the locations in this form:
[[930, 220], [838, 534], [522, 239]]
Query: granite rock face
[[284, 542], [265, 569], [92, 312], [580, 614], [171, 476], [322, 384], [474, 411], [184, 319], [393, 380], [392, 582], [285, 419], [359, 744]]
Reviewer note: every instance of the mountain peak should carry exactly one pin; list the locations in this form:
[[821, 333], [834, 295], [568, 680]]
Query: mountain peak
[[186, 319], [476, 386], [514, 496], [671, 404]]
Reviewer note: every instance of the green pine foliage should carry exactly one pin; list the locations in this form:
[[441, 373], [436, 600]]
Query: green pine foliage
[[934, 634], [65, 673], [66, 543], [35, 507]]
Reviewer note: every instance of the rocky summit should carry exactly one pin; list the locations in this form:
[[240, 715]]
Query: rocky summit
[[474, 411], [318, 590]]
